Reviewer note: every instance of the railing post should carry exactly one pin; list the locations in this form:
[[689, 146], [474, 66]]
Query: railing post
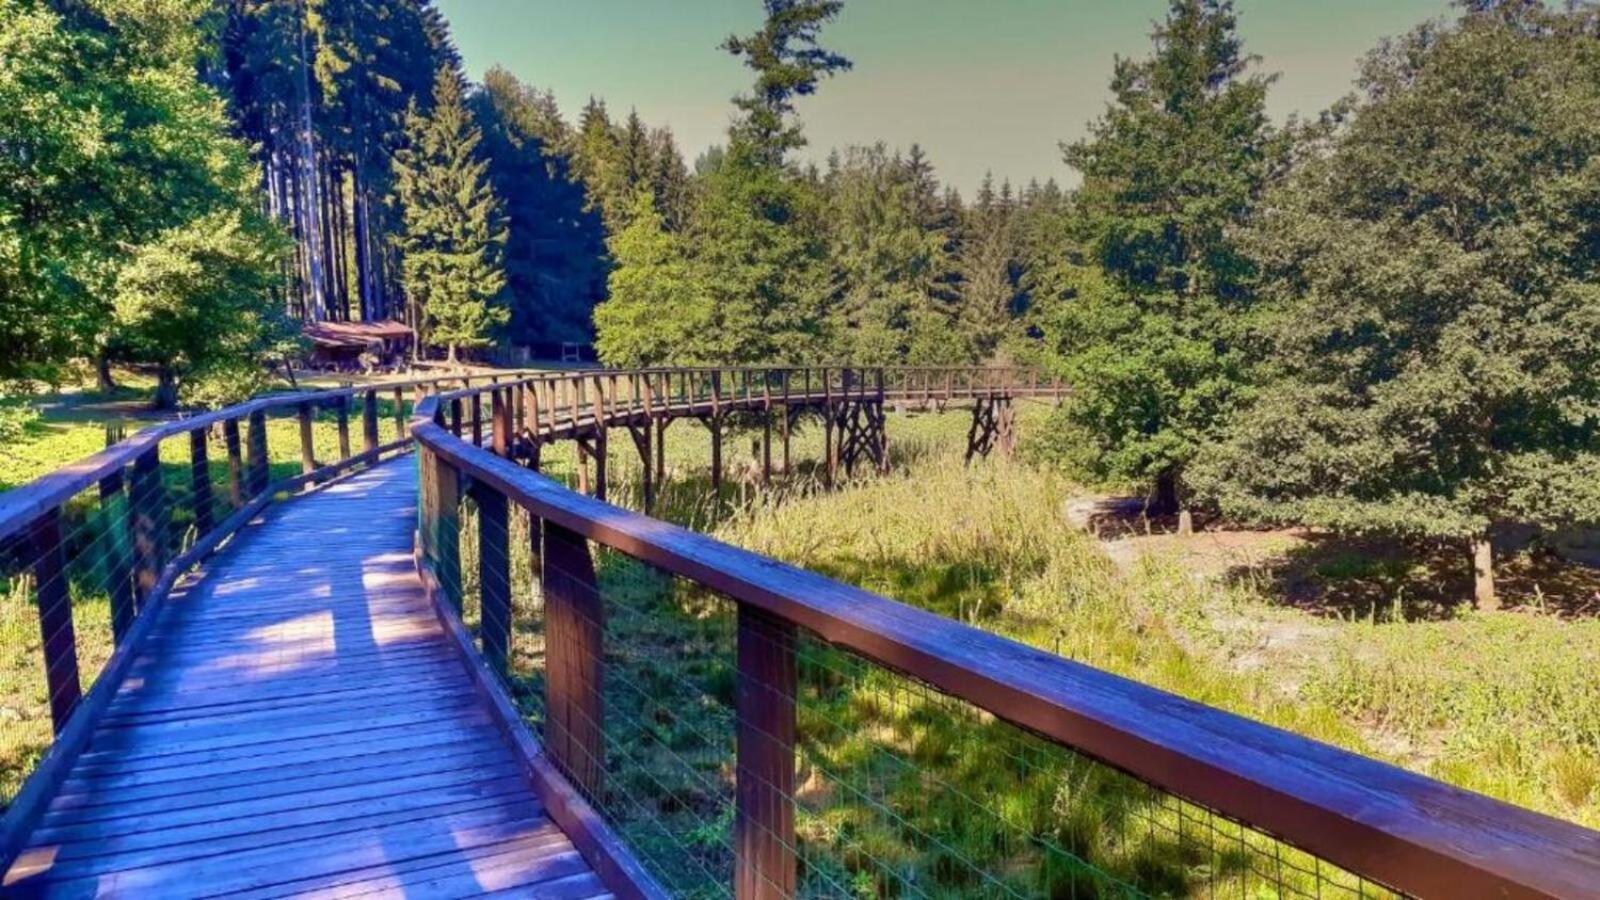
[[494, 574], [500, 411], [342, 411], [258, 463], [574, 631], [60, 646], [442, 524], [118, 556], [369, 422], [230, 438], [200, 481], [399, 412], [147, 505], [308, 450], [455, 416], [477, 419], [764, 840]]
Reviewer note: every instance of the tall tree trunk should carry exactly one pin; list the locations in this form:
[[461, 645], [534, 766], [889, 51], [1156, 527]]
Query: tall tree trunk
[[310, 208], [1166, 501], [1483, 592], [166, 396], [103, 381], [369, 311]]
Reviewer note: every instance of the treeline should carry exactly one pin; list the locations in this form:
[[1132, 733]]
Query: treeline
[[364, 124], [867, 259], [1383, 320]]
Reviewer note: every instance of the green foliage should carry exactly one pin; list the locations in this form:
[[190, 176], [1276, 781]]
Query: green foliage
[[1147, 314], [890, 265], [554, 256], [788, 62], [1433, 264], [129, 223], [658, 310], [453, 228]]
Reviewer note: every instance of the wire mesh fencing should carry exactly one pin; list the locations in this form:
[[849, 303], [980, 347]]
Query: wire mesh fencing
[[722, 744], [75, 573]]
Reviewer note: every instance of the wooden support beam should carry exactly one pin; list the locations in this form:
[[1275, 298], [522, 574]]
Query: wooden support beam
[[641, 434], [308, 449], [574, 646], [766, 446], [442, 524], [500, 409], [369, 422], [147, 505], [494, 575], [601, 456], [764, 838], [399, 412], [230, 439], [118, 561], [787, 421], [59, 643], [200, 481], [714, 425], [341, 408], [661, 450], [257, 461]]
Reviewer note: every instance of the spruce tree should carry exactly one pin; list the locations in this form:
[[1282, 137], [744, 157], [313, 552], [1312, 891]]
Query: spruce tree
[[657, 310], [554, 255], [758, 223], [889, 266], [453, 236], [988, 262], [1179, 159]]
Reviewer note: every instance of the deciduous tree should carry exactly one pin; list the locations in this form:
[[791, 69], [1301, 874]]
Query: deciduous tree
[[1436, 261]]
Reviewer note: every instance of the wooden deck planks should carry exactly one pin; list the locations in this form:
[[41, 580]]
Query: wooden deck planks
[[299, 723]]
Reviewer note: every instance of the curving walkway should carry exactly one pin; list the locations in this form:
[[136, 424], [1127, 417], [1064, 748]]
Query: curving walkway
[[300, 723]]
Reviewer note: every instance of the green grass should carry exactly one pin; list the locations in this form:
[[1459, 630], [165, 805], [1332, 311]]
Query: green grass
[[903, 792]]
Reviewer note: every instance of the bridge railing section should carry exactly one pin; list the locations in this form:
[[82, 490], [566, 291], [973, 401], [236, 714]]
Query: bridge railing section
[[758, 730], [86, 550]]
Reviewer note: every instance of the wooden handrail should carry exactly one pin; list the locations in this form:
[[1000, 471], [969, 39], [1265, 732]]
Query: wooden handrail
[[21, 506], [1395, 827]]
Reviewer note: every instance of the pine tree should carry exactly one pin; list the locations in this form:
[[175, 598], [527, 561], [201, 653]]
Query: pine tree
[[788, 63], [658, 310], [599, 163], [554, 254], [1180, 158], [453, 236], [988, 261], [889, 265], [757, 223]]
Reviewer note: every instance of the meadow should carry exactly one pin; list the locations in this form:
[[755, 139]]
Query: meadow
[[904, 792]]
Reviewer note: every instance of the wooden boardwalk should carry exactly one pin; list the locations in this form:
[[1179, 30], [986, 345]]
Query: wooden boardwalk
[[300, 723]]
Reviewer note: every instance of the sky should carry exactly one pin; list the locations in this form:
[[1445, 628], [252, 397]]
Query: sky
[[982, 85]]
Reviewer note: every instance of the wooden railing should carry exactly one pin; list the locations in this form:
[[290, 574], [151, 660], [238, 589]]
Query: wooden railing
[[104, 527], [1398, 829]]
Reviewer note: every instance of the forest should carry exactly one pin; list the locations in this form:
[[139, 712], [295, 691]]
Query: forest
[[1394, 303]]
